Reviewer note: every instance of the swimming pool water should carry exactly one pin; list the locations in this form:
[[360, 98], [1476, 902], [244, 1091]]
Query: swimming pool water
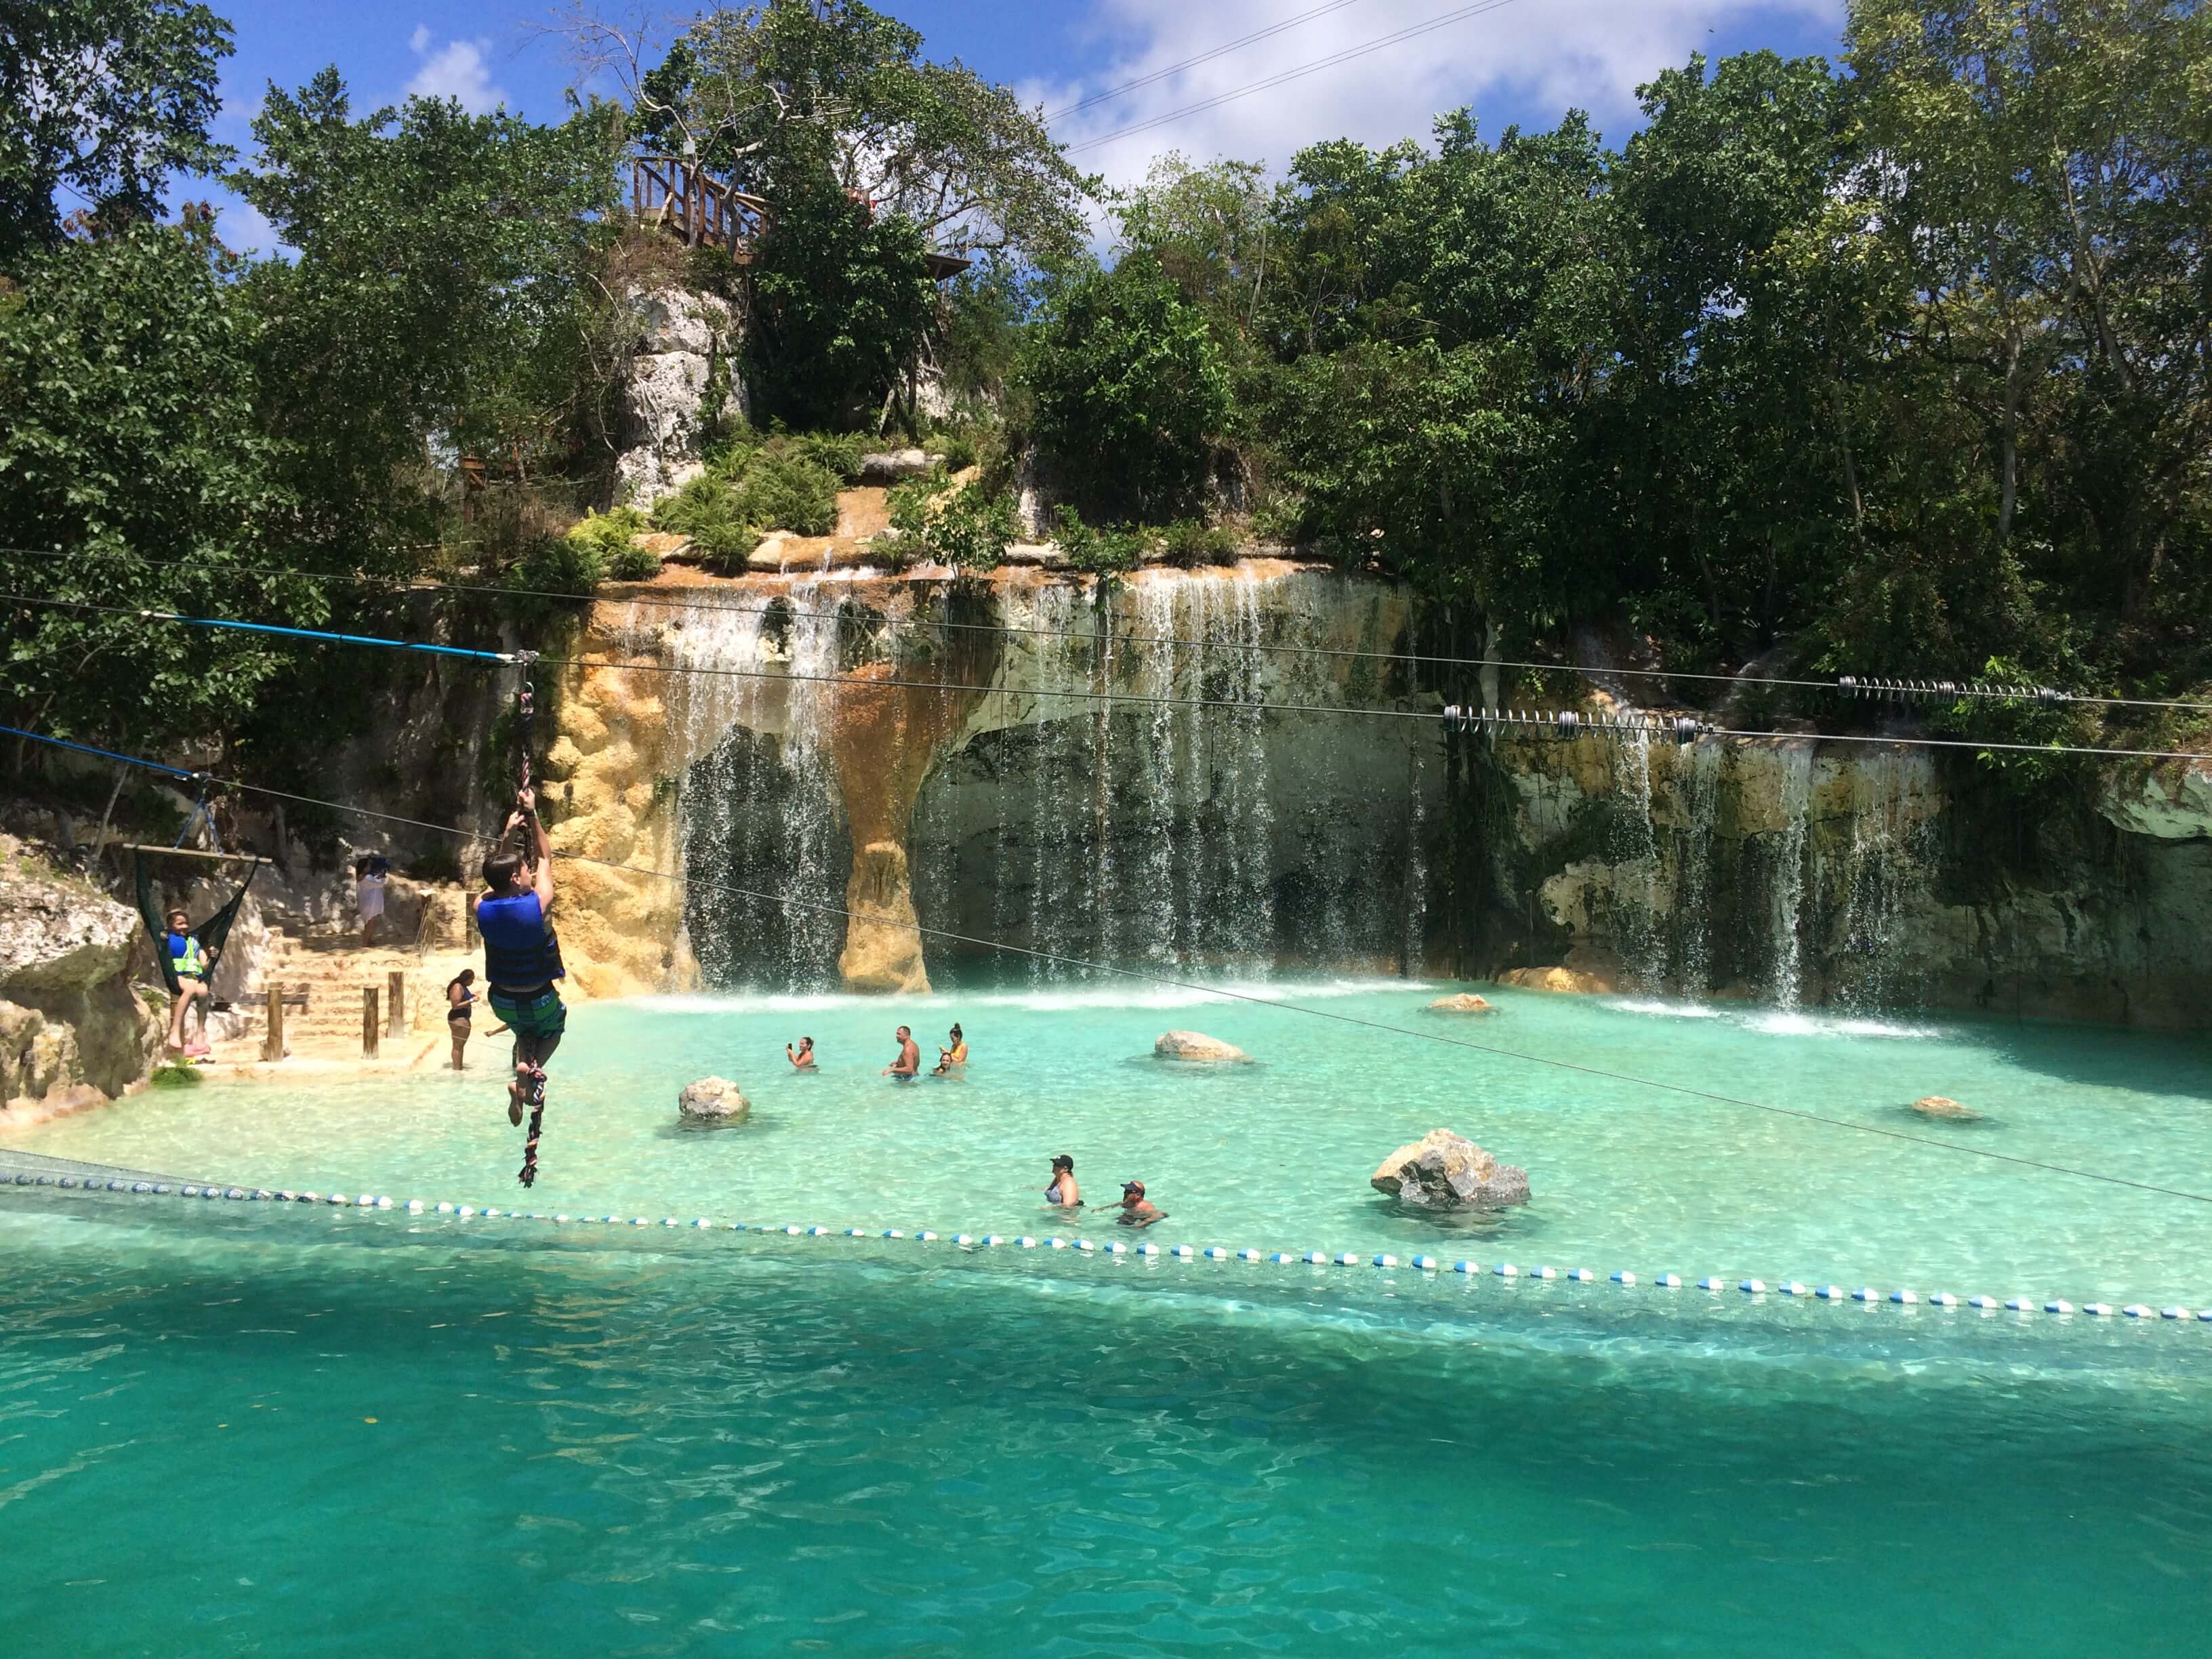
[[241, 1428]]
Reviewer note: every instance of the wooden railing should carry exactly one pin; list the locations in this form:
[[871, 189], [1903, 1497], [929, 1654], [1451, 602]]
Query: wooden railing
[[675, 193]]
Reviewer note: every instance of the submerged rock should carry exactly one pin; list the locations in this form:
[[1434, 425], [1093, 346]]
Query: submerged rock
[[1445, 1170], [1195, 1045], [1466, 1002], [1944, 1106], [713, 1100]]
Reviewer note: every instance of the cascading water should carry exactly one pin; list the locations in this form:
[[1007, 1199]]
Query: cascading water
[[1691, 962], [1887, 872], [1635, 886], [1788, 903]]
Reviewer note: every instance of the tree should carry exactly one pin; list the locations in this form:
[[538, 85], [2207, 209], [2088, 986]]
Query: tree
[[444, 278], [836, 86], [126, 373], [1129, 390], [101, 100]]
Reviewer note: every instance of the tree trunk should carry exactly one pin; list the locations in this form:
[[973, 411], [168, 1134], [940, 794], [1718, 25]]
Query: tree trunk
[[2008, 437]]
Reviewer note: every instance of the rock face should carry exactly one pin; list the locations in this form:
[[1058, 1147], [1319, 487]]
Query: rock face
[[1444, 1170], [1942, 1106], [712, 1100], [889, 466], [71, 1027], [1196, 1045], [1466, 1002], [681, 335], [1556, 979]]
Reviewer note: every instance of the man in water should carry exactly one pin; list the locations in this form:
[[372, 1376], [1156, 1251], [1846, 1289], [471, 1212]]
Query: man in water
[[908, 1063], [1137, 1210], [522, 958], [802, 1057]]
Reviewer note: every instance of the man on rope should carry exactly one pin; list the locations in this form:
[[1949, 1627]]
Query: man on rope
[[522, 957]]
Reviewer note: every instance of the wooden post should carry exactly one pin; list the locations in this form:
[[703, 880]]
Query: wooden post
[[396, 1015], [272, 1034], [368, 1022]]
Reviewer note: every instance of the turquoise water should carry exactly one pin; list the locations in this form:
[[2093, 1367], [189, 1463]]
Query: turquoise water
[[238, 1429]]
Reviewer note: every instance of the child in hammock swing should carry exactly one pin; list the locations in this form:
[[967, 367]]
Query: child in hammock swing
[[190, 962], [522, 957]]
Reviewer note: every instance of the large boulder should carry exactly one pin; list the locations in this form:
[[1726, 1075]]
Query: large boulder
[[1196, 1045], [712, 1100], [1444, 1170], [66, 950], [1466, 1002], [889, 466], [1942, 1106]]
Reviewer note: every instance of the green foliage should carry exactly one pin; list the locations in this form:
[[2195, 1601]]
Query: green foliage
[[611, 537], [784, 484], [130, 435], [1189, 543], [442, 290], [957, 450], [100, 101], [1129, 386], [838, 452], [786, 488], [708, 510], [172, 1075], [1101, 552], [970, 528]]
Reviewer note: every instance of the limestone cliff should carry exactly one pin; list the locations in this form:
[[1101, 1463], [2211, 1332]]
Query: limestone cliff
[[72, 1031]]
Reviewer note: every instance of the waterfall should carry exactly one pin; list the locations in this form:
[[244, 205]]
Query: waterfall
[[1789, 890], [1636, 882], [1888, 871], [757, 805], [1692, 971]]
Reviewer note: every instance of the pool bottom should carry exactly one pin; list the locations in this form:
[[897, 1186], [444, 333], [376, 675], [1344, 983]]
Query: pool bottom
[[372, 1438]]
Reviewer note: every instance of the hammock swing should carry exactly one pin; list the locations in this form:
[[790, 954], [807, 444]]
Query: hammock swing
[[212, 932]]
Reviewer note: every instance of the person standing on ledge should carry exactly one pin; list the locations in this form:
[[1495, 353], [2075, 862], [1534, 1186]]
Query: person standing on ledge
[[368, 897], [522, 957], [907, 1066], [801, 1058]]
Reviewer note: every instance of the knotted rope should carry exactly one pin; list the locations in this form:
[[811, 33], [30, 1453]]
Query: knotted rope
[[534, 1091]]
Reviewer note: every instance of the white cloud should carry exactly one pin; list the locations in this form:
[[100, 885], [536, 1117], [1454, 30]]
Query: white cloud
[[1549, 55], [242, 228], [456, 71]]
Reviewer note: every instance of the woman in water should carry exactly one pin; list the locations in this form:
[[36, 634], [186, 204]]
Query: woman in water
[[955, 1055], [460, 1010], [801, 1058], [1064, 1194]]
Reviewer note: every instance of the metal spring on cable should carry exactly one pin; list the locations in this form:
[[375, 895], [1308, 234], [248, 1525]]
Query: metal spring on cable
[[1568, 723], [1932, 691]]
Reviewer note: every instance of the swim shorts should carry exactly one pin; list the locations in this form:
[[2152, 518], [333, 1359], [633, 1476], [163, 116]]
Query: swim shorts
[[532, 1015]]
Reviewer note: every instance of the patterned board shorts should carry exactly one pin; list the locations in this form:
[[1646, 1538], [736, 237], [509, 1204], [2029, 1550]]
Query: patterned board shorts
[[539, 1016]]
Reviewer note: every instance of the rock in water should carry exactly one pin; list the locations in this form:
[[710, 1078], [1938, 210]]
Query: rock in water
[[1944, 1106], [1465, 1003], [1443, 1171], [1195, 1045], [712, 1100]]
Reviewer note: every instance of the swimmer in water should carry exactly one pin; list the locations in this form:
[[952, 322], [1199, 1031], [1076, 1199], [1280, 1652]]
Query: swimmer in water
[[908, 1063], [801, 1058], [1064, 1194], [1137, 1210], [955, 1055]]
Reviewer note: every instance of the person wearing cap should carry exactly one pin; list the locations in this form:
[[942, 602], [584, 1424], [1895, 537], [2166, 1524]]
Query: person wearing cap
[[1064, 1194], [1137, 1210]]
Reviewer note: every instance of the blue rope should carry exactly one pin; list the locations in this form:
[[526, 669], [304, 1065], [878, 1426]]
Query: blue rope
[[317, 634], [105, 753]]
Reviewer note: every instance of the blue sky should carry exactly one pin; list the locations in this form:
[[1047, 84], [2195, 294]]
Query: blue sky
[[1512, 60]]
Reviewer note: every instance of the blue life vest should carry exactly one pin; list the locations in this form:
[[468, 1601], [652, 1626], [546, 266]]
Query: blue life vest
[[520, 953], [186, 957]]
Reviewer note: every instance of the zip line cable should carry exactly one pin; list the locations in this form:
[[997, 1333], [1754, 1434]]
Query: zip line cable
[[788, 901], [1287, 76], [1961, 690], [1684, 731], [1201, 57]]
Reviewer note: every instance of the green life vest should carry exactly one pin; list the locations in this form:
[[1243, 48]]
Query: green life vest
[[192, 961]]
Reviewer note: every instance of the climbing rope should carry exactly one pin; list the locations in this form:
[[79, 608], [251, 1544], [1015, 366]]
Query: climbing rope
[[533, 1095]]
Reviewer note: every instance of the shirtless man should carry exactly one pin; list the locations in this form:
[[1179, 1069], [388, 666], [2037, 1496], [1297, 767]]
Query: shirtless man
[[1138, 1211], [907, 1066]]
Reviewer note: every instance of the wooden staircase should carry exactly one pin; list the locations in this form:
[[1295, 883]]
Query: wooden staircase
[[334, 972]]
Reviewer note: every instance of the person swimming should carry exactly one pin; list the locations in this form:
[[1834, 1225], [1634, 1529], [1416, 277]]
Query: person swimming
[[1138, 1211], [955, 1055], [1064, 1194], [801, 1058], [908, 1063]]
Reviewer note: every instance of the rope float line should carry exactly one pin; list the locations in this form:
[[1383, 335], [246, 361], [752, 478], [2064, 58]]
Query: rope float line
[[1848, 685], [1565, 723], [1867, 1295], [1000, 946]]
